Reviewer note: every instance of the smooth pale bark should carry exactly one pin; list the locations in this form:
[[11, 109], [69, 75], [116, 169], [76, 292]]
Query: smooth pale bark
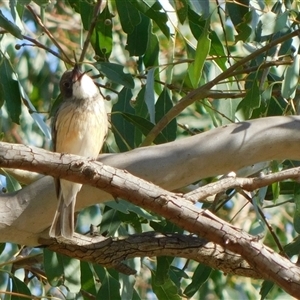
[[24, 215]]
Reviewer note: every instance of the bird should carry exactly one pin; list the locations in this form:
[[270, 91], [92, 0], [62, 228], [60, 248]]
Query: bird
[[79, 127]]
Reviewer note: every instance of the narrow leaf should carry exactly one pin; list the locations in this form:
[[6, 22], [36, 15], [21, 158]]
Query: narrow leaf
[[123, 130], [137, 40], [167, 290], [101, 38], [153, 10], [144, 126], [200, 276], [10, 26], [202, 50], [12, 185], [149, 95], [162, 106], [251, 101], [115, 73], [19, 288], [11, 91], [110, 287], [53, 267], [290, 81], [72, 274], [129, 16], [87, 278], [181, 7], [110, 221]]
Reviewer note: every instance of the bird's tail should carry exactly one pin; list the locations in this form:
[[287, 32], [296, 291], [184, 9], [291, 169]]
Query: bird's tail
[[63, 222]]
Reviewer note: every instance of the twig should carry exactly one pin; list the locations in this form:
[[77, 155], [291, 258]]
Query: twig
[[38, 44], [54, 41], [275, 237], [92, 26]]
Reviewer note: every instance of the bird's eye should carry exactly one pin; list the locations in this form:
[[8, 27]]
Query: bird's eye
[[67, 84]]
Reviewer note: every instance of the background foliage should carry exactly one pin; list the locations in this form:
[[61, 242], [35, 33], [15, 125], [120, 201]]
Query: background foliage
[[147, 56]]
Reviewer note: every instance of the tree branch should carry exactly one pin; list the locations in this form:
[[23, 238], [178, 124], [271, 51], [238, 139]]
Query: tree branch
[[173, 207], [24, 215], [111, 252]]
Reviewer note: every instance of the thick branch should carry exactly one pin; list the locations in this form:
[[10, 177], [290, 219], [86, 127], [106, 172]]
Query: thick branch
[[173, 207], [25, 214], [112, 252]]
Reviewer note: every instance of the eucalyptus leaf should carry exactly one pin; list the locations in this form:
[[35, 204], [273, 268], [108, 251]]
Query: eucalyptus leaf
[[200, 276], [129, 16], [123, 130], [10, 27], [18, 288], [110, 286], [138, 39], [11, 92], [115, 73]]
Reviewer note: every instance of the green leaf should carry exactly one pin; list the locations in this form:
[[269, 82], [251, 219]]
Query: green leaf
[[150, 58], [137, 40], [181, 7], [196, 24], [144, 126], [110, 221], [290, 81], [19, 288], [202, 50], [60, 268], [125, 207], [85, 10], [88, 283], [293, 248], [11, 90], [162, 106], [162, 269], [101, 38], [129, 16], [265, 289], [123, 130], [251, 101], [272, 23], [2, 247], [297, 211], [140, 105], [53, 267], [237, 10], [115, 73], [10, 27], [153, 10], [217, 50], [12, 185], [110, 286], [72, 274], [149, 95], [200, 276], [167, 290], [244, 32]]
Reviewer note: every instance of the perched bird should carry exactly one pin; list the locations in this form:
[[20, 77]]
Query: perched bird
[[79, 127]]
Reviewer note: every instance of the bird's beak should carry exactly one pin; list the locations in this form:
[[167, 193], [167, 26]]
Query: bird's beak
[[76, 73]]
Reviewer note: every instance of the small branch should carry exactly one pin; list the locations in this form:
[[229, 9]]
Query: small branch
[[40, 45], [92, 27], [54, 41], [249, 184]]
